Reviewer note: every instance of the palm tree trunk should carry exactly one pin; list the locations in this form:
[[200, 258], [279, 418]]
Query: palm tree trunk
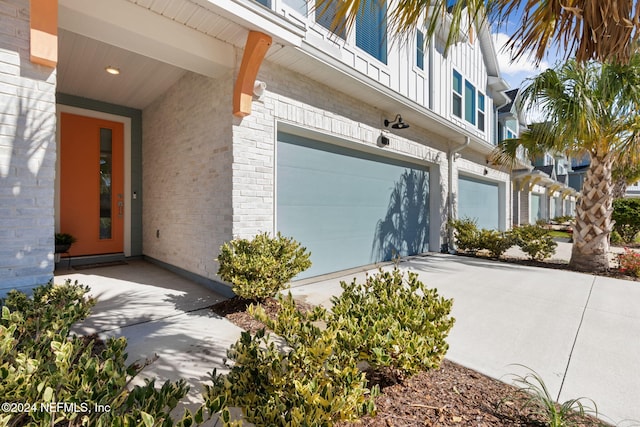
[[593, 227], [619, 188]]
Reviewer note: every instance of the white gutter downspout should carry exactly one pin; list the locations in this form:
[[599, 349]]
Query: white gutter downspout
[[450, 216]]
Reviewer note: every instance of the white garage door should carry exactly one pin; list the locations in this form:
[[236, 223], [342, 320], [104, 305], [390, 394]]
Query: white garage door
[[479, 200]]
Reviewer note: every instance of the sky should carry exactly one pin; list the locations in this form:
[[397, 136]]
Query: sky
[[515, 73]]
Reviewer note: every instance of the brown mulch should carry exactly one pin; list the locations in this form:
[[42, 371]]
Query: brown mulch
[[449, 396], [98, 344], [235, 310], [454, 396]]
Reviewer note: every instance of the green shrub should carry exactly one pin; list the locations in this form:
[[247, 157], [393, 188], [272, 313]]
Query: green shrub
[[466, 234], [535, 240], [261, 267], [392, 322], [306, 381], [615, 238], [496, 242], [42, 363], [626, 214], [563, 219], [309, 376], [65, 239]]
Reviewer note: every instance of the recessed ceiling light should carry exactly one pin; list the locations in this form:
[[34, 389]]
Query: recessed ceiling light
[[112, 70]]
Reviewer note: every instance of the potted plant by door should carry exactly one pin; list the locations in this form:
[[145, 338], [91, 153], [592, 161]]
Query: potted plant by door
[[63, 243]]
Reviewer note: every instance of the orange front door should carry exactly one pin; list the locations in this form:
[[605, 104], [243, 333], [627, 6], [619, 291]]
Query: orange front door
[[92, 184]]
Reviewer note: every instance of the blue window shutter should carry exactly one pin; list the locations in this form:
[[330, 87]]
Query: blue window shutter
[[325, 14], [420, 49], [457, 94], [371, 29], [469, 102], [481, 118]]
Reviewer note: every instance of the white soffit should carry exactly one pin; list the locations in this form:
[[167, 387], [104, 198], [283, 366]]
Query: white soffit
[[136, 29], [81, 72]]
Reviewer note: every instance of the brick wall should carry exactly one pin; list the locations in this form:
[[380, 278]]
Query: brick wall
[[296, 100], [27, 156], [186, 164]]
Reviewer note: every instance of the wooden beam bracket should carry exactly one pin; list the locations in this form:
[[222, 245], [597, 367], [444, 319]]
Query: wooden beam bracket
[[255, 49], [43, 29]]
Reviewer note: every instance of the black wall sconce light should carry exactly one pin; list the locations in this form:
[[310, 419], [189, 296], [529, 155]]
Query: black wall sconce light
[[397, 123]]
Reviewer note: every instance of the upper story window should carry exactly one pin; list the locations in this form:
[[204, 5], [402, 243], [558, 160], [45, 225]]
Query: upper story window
[[473, 100], [325, 15], [469, 102], [457, 94], [266, 3], [420, 49], [481, 110], [299, 6], [505, 132], [371, 29]]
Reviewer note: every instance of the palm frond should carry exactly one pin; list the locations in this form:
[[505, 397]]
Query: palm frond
[[600, 30], [538, 139], [587, 30]]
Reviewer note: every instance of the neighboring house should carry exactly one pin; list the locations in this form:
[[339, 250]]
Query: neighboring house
[[633, 190], [579, 168], [228, 118], [540, 191], [578, 171]]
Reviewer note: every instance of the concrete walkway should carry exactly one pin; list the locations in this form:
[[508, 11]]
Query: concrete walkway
[[580, 332], [161, 314]]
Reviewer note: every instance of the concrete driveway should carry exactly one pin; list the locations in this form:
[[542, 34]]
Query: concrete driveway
[[580, 332]]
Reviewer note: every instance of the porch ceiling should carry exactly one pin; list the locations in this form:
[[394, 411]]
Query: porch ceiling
[[151, 50], [81, 72]]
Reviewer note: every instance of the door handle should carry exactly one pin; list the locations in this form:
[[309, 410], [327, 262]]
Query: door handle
[[120, 208]]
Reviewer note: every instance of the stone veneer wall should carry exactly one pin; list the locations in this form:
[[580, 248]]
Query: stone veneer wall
[[27, 156], [186, 163]]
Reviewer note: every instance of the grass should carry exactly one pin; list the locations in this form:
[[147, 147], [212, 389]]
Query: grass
[[560, 234]]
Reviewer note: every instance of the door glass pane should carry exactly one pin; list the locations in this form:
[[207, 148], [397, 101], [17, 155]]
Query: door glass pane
[[106, 195]]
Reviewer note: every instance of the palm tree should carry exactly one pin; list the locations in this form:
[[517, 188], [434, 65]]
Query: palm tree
[[589, 108], [585, 29]]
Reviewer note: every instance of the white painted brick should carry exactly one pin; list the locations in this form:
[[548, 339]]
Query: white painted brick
[[27, 154], [187, 192]]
